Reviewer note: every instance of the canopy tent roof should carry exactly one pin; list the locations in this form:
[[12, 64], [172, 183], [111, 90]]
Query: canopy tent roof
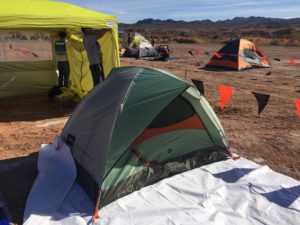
[[50, 14]]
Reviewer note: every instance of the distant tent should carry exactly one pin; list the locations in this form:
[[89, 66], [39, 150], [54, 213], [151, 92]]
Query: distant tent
[[237, 55], [140, 47], [27, 32], [156, 125]]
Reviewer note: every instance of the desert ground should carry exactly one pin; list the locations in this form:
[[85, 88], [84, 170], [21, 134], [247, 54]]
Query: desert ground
[[271, 138]]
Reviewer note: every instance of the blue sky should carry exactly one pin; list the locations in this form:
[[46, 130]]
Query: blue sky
[[130, 11]]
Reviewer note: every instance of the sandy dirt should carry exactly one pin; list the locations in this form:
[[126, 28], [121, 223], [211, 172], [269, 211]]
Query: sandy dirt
[[272, 138]]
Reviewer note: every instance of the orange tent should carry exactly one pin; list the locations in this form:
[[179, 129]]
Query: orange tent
[[237, 55]]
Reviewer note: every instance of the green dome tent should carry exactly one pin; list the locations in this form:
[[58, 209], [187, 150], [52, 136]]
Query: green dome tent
[[139, 126], [27, 32]]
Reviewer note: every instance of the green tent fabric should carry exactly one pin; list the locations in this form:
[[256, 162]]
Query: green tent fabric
[[19, 77], [139, 126]]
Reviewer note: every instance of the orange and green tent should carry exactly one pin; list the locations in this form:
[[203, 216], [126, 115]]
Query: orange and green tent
[[140, 126], [237, 55]]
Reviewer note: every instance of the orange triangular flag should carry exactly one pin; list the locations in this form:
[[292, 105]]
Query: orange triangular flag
[[297, 103], [225, 94], [293, 61], [218, 55]]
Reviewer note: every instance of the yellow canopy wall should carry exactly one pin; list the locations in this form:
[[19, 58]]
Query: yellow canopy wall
[[53, 16]]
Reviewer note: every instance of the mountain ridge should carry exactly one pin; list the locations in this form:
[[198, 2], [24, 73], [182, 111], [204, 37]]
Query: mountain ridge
[[236, 22]]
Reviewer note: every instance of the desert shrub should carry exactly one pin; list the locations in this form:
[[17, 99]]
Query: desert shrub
[[256, 33], [296, 43], [285, 42], [291, 42], [263, 41], [186, 40], [275, 42], [283, 32], [296, 35]]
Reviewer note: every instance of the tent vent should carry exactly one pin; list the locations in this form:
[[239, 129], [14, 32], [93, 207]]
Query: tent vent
[[71, 140]]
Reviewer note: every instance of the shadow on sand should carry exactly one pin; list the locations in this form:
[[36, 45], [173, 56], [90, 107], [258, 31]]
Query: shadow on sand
[[33, 108], [17, 176]]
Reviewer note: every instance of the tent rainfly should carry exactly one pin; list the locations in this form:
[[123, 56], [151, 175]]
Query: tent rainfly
[[237, 55], [28, 29], [140, 126]]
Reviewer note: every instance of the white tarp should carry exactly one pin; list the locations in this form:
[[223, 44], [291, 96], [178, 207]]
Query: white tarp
[[226, 192]]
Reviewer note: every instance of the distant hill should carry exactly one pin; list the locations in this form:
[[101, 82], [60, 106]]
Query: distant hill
[[237, 22], [265, 31]]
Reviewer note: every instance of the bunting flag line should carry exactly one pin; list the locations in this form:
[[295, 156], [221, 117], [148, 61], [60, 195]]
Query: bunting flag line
[[262, 100], [297, 103], [292, 61], [226, 92], [199, 85], [225, 95], [218, 55]]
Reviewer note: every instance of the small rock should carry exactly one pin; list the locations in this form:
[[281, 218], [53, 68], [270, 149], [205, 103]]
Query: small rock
[[258, 160]]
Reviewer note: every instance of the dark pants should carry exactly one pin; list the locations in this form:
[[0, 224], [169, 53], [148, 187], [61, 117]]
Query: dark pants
[[63, 71], [97, 73]]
